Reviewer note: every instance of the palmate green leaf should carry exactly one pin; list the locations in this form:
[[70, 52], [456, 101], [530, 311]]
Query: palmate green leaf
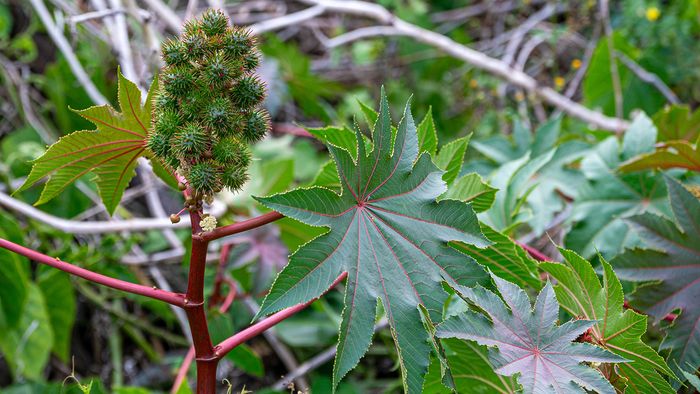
[[59, 296], [617, 329], [471, 188], [109, 152], [26, 347], [528, 341], [472, 371], [504, 258], [388, 232], [673, 261], [602, 203]]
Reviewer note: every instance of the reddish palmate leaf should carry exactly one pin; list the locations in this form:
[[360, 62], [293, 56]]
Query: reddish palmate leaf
[[618, 330], [110, 152], [529, 342], [388, 232], [674, 261]]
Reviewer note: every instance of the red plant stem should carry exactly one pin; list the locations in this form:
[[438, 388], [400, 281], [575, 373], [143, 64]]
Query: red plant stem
[[133, 288], [205, 355], [256, 329], [187, 361], [534, 252], [240, 227]]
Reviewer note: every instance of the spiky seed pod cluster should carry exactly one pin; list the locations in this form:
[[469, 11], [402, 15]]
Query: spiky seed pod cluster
[[208, 108]]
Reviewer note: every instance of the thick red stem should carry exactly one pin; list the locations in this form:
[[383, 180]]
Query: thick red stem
[[240, 227], [133, 288], [196, 315], [258, 328]]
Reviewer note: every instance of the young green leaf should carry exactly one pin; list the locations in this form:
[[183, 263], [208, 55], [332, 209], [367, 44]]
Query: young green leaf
[[673, 261], [109, 152], [388, 232], [617, 330], [529, 341], [504, 258], [608, 197], [471, 188]]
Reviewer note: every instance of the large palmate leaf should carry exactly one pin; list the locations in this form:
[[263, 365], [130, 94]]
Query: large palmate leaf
[[608, 197], [674, 261], [470, 369], [391, 237], [529, 342], [109, 152], [617, 329], [532, 174]]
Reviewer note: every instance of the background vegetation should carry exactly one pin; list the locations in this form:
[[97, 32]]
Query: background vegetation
[[607, 82]]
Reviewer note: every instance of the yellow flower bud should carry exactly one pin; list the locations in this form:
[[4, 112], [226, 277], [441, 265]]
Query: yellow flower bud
[[652, 14]]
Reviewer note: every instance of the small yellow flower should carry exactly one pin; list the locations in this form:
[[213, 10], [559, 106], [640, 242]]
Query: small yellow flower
[[559, 82], [576, 64], [473, 83], [208, 223], [519, 96], [653, 14]]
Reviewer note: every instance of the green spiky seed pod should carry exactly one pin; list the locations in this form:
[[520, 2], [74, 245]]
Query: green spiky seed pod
[[238, 42], [191, 107], [256, 126], [234, 178], [165, 102], [213, 23], [174, 53], [195, 44], [231, 152], [251, 60], [207, 110], [168, 123], [204, 178], [218, 70], [190, 140], [159, 144], [248, 92], [218, 113], [178, 81]]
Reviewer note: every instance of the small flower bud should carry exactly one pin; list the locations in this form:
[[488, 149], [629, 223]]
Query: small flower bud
[[174, 218]]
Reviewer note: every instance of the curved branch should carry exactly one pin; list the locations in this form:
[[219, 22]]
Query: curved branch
[[240, 227], [398, 27], [256, 329], [133, 288]]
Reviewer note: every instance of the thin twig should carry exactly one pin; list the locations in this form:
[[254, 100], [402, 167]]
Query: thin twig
[[476, 58], [67, 51], [648, 77]]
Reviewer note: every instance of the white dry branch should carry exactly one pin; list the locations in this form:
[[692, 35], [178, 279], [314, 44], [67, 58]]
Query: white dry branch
[[394, 26]]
